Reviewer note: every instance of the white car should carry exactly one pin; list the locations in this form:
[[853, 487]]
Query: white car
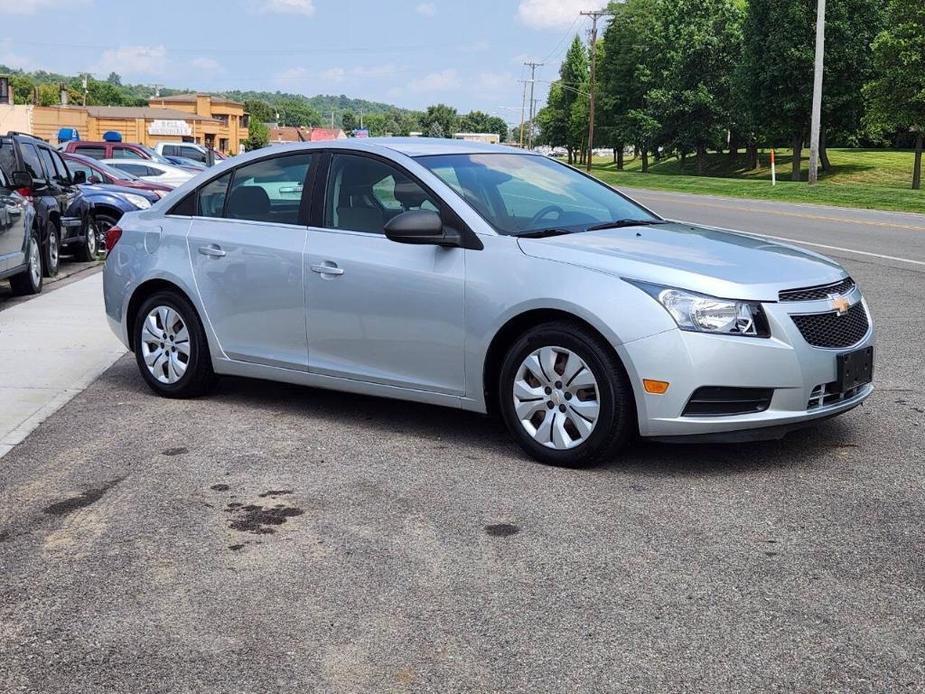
[[152, 171]]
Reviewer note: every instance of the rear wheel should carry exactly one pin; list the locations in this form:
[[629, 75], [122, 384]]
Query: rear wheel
[[171, 347], [30, 280], [51, 251], [565, 397]]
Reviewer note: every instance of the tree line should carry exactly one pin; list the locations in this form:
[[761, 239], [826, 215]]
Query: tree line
[[684, 77]]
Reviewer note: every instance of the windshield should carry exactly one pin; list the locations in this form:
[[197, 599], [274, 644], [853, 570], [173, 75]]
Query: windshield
[[110, 171], [518, 194], [154, 156]]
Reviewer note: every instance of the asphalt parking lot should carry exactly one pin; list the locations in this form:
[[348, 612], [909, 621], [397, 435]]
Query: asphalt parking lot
[[270, 538]]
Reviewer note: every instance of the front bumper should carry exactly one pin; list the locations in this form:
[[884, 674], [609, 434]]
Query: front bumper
[[784, 362]]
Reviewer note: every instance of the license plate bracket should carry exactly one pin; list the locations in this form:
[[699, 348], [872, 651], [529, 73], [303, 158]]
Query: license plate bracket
[[854, 369]]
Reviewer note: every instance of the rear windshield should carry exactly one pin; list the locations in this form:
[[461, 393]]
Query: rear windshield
[[7, 157]]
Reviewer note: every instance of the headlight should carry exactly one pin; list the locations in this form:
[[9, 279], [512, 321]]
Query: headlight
[[137, 200], [708, 314]]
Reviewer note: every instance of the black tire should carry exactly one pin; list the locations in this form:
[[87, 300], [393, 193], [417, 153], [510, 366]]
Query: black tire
[[51, 250], [27, 282], [199, 376], [616, 418], [88, 249]]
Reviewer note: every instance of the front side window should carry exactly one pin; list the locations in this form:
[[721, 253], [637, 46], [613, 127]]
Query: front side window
[[363, 194], [136, 169], [125, 153], [521, 193], [49, 165], [269, 190], [212, 196]]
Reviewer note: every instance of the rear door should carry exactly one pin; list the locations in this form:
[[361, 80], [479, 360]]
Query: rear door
[[246, 246], [65, 193]]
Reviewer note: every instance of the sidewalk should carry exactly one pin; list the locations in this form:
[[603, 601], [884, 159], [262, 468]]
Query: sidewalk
[[51, 348]]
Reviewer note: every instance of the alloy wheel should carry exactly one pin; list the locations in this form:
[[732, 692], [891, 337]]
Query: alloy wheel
[[556, 398], [53, 258], [165, 344], [35, 263]]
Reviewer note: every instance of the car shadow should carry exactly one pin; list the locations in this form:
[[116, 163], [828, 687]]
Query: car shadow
[[457, 428]]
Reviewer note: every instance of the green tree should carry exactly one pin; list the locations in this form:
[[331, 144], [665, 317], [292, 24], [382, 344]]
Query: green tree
[[104, 94], [896, 96], [700, 44], [349, 122], [440, 120], [114, 79], [260, 110], [258, 135]]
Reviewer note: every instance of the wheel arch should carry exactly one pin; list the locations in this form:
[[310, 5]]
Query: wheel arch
[[141, 293], [516, 326]]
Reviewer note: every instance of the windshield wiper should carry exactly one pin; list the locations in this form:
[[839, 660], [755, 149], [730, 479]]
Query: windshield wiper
[[540, 233], [616, 224]]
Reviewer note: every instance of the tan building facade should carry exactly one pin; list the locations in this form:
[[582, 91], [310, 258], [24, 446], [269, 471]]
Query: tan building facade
[[185, 118]]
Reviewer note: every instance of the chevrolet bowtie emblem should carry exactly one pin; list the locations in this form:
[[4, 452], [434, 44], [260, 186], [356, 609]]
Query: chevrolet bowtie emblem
[[840, 304]]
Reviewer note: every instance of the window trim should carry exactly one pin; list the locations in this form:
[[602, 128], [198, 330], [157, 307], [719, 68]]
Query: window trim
[[304, 203]]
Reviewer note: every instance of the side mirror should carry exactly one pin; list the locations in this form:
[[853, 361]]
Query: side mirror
[[80, 177], [421, 227], [21, 179]]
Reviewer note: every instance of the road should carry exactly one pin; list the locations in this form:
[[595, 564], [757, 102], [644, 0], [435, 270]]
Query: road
[[270, 538]]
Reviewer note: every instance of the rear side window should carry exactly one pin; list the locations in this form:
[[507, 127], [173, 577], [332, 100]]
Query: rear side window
[[95, 152], [192, 153], [269, 190], [170, 151], [137, 169], [31, 160], [4, 183], [212, 196]]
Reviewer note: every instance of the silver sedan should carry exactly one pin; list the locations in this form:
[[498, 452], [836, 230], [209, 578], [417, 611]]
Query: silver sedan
[[489, 279]]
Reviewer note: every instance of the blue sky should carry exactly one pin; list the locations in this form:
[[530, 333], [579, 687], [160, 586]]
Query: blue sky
[[408, 52]]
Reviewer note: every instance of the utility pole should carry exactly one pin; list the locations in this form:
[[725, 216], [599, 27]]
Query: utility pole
[[817, 93], [595, 15], [523, 111], [86, 88], [532, 67]]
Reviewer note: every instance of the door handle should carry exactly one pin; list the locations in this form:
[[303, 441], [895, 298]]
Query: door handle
[[213, 251], [327, 268]]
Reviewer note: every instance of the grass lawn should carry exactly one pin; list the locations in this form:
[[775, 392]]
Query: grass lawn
[[868, 178]]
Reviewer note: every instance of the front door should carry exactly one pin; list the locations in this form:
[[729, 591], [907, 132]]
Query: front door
[[382, 311], [246, 247]]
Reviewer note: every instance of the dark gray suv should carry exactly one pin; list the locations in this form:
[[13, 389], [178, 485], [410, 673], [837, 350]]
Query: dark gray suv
[[62, 216], [20, 259]]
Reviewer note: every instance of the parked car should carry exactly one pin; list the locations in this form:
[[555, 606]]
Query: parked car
[[152, 171], [62, 214], [187, 150], [487, 279], [98, 172], [186, 163], [109, 202], [20, 249]]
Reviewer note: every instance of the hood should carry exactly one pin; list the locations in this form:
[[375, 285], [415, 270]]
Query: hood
[[103, 188], [712, 261]]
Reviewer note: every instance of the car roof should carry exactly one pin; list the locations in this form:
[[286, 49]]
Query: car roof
[[409, 146]]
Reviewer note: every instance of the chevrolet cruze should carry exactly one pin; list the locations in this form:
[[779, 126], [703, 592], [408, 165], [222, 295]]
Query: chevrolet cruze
[[488, 279]]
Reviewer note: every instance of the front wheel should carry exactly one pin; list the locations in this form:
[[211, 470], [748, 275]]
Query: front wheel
[[565, 397], [88, 250], [171, 347]]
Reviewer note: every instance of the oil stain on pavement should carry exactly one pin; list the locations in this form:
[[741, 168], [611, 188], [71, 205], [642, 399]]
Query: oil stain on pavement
[[501, 530], [84, 499], [255, 518]]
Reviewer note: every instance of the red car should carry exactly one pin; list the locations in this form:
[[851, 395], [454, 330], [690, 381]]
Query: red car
[[97, 172]]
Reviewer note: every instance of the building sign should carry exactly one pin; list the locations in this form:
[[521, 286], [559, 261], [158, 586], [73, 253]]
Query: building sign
[[170, 127]]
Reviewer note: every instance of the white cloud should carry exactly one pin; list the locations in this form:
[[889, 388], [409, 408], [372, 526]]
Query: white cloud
[[334, 74], [292, 78], [33, 6], [133, 60], [12, 59], [554, 14], [302, 7], [207, 65], [428, 9], [436, 81], [496, 81]]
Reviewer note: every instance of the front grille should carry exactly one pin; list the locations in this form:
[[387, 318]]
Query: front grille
[[717, 401], [817, 293], [833, 331], [828, 394]]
